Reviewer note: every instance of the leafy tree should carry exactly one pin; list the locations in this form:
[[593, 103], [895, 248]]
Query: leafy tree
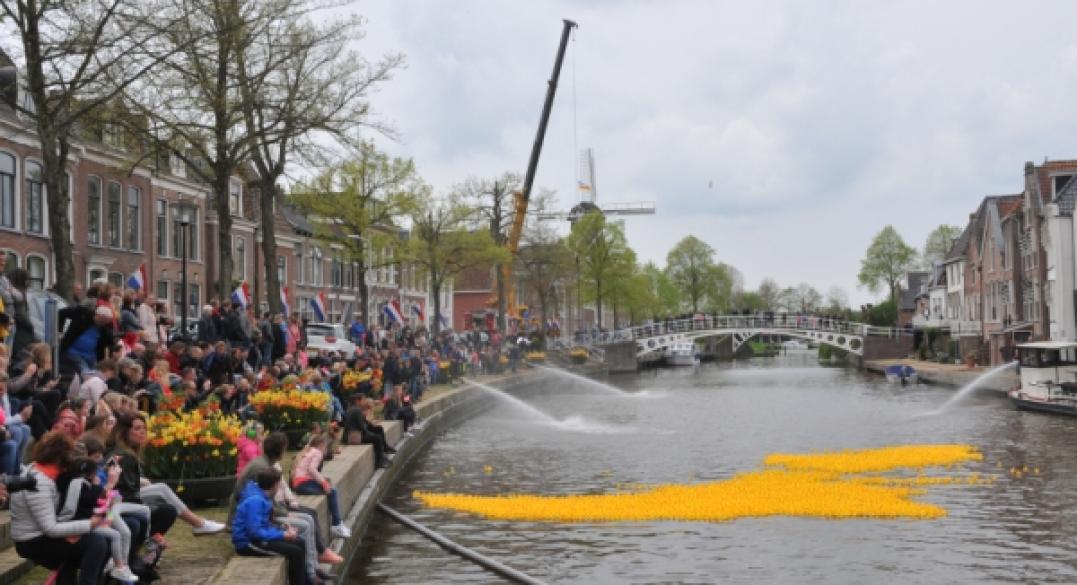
[[883, 314], [938, 244], [690, 265], [666, 295], [76, 58], [441, 246], [357, 205], [603, 253], [544, 265], [750, 301], [494, 204], [886, 261]]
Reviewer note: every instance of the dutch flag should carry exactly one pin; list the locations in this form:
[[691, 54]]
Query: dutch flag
[[417, 309], [242, 295], [392, 311], [284, 300], [318, 305], [137, 280]]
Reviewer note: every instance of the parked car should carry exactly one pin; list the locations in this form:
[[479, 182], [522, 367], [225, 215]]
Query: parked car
[[330, 337]]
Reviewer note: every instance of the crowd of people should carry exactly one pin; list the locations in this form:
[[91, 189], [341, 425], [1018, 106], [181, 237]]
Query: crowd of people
[[82, 423]]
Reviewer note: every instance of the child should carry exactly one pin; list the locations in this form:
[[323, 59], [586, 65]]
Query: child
[[249, 446], [307, 479], [254, 533], [87, 498]]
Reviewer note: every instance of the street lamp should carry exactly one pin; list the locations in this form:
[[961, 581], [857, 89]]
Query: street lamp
[[184, 213]]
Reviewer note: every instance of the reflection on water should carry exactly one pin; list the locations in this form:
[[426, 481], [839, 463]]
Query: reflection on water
[[714, 421]]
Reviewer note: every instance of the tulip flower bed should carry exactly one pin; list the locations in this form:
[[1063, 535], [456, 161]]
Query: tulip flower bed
[[290, 409], [191, 445], [824, 485]]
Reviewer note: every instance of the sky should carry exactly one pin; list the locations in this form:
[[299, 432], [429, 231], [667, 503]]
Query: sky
[[784, 134]]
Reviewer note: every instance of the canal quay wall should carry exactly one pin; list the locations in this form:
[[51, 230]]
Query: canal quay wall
[[360, 486], [950, 374]]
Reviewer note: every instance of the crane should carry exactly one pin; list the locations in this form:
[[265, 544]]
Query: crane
[[521, 197]]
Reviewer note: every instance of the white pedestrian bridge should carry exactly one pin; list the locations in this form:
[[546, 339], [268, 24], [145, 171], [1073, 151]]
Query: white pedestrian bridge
[[656, 337]]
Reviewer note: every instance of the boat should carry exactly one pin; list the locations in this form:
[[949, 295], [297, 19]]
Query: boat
[[681, 353], [1048, 374], [903, 373]]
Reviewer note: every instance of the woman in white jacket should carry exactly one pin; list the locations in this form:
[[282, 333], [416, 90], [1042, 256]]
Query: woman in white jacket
[[39, 536]]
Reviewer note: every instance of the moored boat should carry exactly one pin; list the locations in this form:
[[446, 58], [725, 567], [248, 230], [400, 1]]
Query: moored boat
[[1048, 373], [902, 373], [681, 353]]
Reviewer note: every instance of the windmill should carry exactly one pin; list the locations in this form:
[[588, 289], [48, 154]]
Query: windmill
[[589, 196]]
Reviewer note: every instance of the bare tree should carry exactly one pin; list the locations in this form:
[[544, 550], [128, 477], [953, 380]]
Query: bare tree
[[76, 57], [303, 91]]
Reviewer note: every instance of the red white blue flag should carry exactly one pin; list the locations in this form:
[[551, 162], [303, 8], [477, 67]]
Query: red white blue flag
[[318, 305], [242, 295], [137, 280], [392, 311]]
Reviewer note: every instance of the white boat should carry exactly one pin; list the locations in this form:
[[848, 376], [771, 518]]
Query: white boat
[[1048, 373], [681, 353]]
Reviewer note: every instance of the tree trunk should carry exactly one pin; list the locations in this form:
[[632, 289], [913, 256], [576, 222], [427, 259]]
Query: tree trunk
[[53, 157], [598, 304], [364, 295], [269, 245], [224, 236], [501, 321], [435, 291]]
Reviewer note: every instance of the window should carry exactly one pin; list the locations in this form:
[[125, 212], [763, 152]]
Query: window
[[95, 275], [176, 165], [116, 279], [239, 271], [7, 190], [1059, 183], [134, 227], [93, 210], [35, 265], [299, 262], [35, 198], [234, 201], [162, 227], [178, 233], [193, 298], [335, 269], [282, 269], [114, 194], [162, 290]]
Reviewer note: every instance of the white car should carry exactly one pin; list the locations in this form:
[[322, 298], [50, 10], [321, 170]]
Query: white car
[[330, 337]]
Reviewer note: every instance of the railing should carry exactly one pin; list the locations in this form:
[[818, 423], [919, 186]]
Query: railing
[[744, 322]]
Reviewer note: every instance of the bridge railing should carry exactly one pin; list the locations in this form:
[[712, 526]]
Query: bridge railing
[[745, 322]]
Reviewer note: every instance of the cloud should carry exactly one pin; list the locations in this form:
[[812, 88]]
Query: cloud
[[786, 134]]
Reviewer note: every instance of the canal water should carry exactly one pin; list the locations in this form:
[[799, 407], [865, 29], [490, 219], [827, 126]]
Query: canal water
[[709, 422]]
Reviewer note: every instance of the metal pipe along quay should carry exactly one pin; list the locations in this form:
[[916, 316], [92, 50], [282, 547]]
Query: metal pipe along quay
[[482, 560]]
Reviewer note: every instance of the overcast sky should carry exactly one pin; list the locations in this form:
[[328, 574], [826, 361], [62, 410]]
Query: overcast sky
[[784, 134]]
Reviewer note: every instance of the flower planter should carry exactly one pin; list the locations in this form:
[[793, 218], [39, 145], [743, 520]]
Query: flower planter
[[207, 489]]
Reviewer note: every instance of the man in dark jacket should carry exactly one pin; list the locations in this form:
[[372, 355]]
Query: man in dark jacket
[[265, 328], [88, 337]]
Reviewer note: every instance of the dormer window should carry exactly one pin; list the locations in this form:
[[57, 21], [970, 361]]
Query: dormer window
[[176, 165], [112, 136], [1058, 183]]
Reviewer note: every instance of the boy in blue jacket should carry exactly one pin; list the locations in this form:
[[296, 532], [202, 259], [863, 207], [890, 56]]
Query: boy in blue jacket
[[255, 535]]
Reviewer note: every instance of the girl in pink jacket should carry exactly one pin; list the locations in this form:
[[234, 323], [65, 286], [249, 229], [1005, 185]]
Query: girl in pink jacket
[[307, 479]]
